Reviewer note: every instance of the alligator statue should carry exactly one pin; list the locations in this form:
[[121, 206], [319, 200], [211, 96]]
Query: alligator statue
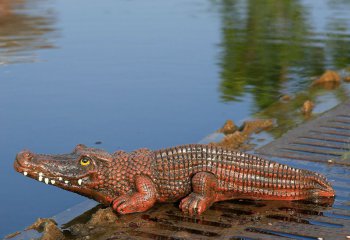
[[196, 174]]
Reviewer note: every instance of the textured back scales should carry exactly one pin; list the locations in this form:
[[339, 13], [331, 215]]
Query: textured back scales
[[236, 171]]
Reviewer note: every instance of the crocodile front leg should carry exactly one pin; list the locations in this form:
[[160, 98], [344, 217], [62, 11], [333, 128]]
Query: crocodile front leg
[[139, 201]]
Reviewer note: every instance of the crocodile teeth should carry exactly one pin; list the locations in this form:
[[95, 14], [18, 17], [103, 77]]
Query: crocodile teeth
[[40, 178], [53, 181], [25, 173], [60, 178], [46, 180], [66, 182], [40, 174], [80, 181]]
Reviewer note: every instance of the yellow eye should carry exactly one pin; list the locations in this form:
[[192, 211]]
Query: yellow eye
[[85, 161]]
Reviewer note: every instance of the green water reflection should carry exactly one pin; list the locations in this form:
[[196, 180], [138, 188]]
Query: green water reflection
[[24, 28], [272, 47], [137, 73]]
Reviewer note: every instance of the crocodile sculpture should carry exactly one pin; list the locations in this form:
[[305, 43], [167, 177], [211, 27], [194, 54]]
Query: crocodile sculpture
[[198, 174]]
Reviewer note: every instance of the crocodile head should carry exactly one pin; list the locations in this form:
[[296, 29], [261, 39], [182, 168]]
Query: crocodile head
[[84, 171]]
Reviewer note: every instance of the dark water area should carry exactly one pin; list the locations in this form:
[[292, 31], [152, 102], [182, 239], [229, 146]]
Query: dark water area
[[132, 74]]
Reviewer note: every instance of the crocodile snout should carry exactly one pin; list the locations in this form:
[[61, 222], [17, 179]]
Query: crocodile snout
[[24, 158]]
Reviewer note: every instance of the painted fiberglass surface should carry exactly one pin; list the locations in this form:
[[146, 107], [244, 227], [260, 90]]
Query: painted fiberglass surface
[[146, 74]]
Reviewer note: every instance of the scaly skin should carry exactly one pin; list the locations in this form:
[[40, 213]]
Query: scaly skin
[[198, 174]]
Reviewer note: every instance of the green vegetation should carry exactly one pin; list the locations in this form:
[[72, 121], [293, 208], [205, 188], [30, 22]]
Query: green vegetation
[[270, 46]]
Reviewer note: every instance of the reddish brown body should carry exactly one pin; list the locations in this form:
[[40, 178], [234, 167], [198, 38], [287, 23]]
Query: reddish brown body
[[198, 175]]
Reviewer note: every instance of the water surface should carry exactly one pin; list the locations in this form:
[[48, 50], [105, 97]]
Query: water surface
[[148, 74]]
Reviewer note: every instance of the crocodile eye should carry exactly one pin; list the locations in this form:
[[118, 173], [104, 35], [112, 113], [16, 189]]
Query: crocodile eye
[[85, 161]]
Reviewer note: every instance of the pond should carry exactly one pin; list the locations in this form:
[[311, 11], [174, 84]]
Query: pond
[[131, 74]]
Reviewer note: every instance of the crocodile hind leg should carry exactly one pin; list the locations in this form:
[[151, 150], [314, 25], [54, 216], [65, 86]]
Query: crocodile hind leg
[[204, 188], [141, 200]]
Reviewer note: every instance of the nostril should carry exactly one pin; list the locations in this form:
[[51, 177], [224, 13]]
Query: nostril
[[28, 155], [24, 157]]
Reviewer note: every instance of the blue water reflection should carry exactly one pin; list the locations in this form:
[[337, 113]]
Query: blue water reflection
[[145, 74]]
